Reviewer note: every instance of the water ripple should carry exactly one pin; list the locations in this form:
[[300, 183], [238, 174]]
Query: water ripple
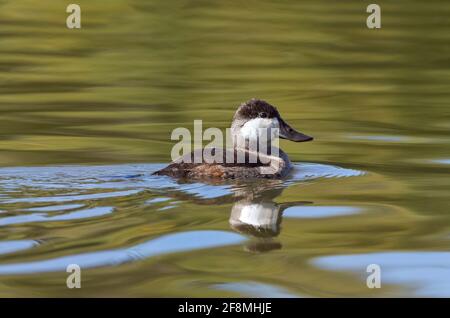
[[170, 243], [7, 247], [81, 197], [313, 212], [57, 208], [131, 179], [428, 273], [256, 289], [42, 217]]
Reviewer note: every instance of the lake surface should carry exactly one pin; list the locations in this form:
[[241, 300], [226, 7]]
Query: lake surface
[[86, 117]]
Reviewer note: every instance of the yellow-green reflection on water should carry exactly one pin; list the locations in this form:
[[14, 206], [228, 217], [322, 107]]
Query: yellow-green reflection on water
[[375, 100]]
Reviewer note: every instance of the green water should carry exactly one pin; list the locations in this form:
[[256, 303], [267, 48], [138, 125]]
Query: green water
[[376, 101]]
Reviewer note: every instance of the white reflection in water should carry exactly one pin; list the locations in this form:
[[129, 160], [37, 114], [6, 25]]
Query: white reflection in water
[[428, 273], [170, 243], [263, 215]]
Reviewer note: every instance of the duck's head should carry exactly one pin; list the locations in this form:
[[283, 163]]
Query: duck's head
[[254, 116]]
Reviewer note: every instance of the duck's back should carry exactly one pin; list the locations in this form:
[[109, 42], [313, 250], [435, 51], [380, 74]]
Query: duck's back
[[185, 167]]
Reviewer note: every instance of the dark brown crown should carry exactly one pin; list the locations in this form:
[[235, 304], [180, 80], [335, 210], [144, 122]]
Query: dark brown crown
[[255, 108]]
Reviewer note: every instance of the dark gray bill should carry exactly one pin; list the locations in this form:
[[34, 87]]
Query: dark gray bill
[[287, 132]]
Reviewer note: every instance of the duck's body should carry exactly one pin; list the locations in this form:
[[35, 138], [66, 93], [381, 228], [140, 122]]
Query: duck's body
[[251, 118], [185, 167]]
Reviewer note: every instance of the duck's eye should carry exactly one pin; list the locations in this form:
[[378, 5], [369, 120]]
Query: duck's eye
[[262, 115]]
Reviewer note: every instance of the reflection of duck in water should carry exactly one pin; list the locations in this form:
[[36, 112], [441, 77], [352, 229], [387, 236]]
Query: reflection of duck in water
[[257, 214], [255, 122], [254, 211]]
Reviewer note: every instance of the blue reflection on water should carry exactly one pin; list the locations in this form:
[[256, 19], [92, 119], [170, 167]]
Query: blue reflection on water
[[309, 171], [157, 200], [7, 247], [127, 180], [387, 138], [57, 208], [170, 243], [82, 183], [42, 217], [78, 183], [442, 161], [93, 196], [312, 212], [255, 289], [428, 273]]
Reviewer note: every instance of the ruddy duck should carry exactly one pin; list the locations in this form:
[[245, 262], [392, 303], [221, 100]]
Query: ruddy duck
[[250, 119]]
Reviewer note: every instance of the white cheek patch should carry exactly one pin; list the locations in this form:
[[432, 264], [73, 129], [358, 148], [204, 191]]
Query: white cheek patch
[[253, 129]]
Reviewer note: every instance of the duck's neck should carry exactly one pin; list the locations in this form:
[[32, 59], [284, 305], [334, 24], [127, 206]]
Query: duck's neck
[[255, 145], [273, 160], [268, 150]]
